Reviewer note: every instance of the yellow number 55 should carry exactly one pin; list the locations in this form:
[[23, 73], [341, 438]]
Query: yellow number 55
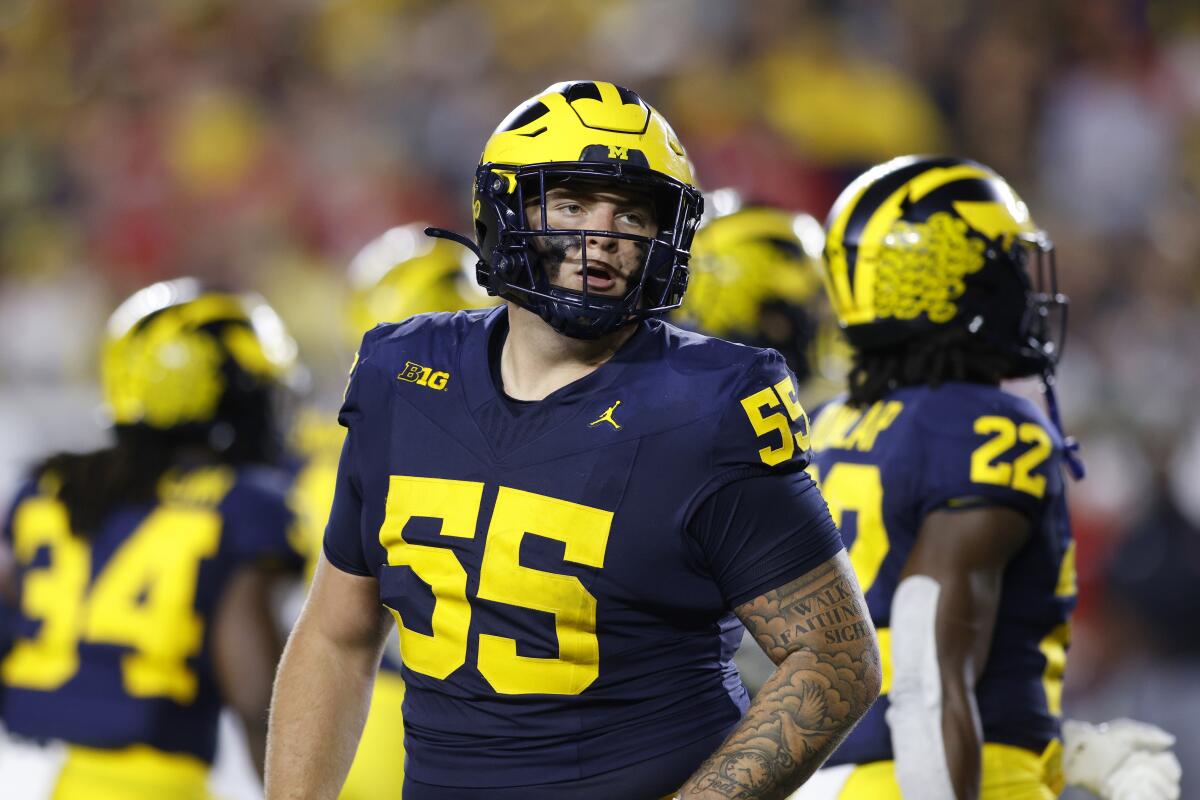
[[783, 393], [502, 579]]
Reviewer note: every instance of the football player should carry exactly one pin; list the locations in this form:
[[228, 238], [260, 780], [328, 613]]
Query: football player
[[143, 568], [570, 507], [755, 278], [949, 492], [396, 275]]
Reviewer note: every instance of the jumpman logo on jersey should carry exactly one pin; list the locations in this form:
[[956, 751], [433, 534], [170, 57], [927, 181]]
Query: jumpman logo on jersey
[[607, 416]]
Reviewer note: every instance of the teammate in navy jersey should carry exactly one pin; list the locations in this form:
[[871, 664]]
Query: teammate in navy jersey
[[950, 494], [142, 569], [570, 509]]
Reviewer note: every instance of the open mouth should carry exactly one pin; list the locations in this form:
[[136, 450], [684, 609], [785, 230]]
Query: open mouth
[[599, 277]]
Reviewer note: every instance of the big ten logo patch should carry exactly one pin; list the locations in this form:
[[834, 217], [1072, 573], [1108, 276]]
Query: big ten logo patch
[[423, 376]]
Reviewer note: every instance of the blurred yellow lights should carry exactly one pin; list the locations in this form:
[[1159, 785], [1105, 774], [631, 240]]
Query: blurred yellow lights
[[214, 141]]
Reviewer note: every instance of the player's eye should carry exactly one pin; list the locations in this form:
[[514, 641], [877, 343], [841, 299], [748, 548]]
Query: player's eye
[[563, 213], [634, 220]]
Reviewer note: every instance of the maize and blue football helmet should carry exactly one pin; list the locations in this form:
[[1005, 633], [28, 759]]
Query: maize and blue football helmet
[[588, 133], [921, 243], [403, 272], [755, 278], [198, 364]]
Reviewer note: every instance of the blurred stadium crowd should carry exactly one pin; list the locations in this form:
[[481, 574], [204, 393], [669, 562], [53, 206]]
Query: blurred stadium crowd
[[261, 144]]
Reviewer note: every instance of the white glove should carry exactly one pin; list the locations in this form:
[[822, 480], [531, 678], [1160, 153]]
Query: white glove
[[1121, 760]]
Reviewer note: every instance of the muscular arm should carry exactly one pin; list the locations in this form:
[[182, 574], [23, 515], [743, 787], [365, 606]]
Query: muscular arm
[[324, 686], [246, 644], [966, 553], [817, 631]]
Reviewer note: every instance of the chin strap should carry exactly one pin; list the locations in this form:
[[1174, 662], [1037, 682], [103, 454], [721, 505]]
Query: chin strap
[[458, 238], [1074, 463]]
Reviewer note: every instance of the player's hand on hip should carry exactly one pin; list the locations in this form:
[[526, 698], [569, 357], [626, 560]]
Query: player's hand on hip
[[1121, 760]]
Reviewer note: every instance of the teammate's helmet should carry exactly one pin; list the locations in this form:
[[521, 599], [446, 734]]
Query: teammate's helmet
[[919, 244], [404, 272], [754, 275], [197, 363], [583, 132]]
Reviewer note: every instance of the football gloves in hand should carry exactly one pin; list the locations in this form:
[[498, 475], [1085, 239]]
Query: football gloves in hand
[[1121, 760]]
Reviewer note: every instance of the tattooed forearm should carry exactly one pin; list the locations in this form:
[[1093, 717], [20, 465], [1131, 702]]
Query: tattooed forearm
[[818, 632], [835, 611]]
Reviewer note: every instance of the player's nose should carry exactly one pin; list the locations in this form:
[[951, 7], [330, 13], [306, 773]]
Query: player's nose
[[603, 218]]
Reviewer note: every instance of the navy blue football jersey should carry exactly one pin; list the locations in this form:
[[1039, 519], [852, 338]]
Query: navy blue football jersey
[[314, 450], [884, 468], [563, 572], [112, 644]]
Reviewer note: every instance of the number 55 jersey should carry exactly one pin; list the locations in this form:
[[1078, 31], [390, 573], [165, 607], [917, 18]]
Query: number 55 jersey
[[885, 467], [562, 572]]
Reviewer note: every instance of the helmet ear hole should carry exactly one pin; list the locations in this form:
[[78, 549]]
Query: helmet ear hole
[[505, 266]]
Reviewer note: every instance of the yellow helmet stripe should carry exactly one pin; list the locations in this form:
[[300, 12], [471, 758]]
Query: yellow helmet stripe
[[193, 313], [837, 266], [938, 177], [839, 269], [212, 308], [608, 93], [1008, 216], [611, 112]]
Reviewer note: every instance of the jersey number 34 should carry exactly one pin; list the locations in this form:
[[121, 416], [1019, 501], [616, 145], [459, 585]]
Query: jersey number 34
[[143, 599]]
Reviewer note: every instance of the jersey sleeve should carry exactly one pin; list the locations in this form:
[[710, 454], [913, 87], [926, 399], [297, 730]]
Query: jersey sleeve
[[349, 413], [996, 451], [761, 532], [361, 372], [763, 429], [343, 545], [259, 521], [343, 534]]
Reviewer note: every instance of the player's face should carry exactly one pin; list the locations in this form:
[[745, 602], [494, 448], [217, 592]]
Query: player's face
[[611, 262]]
